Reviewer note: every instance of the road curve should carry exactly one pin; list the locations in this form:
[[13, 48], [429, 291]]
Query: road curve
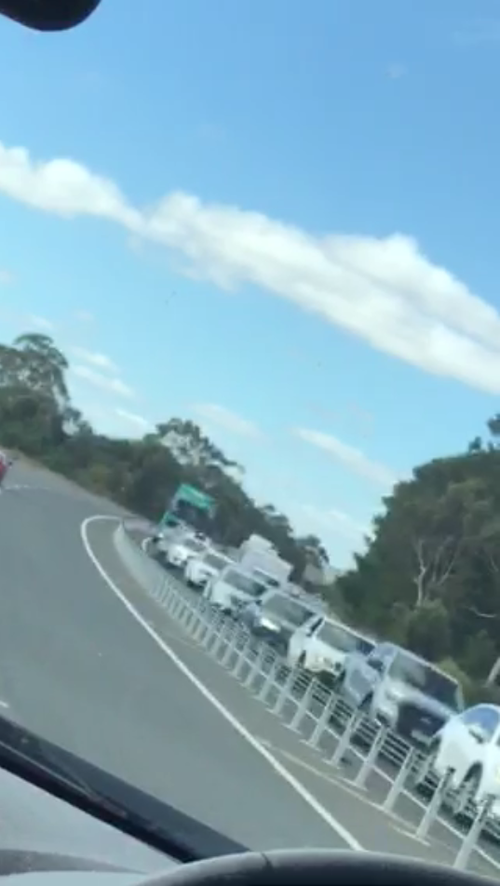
[[77, 669]]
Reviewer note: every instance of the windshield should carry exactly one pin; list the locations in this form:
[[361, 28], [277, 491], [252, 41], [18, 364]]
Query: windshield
[[248, 288], [423, 677], [191, 544], [243, 582], [342, 638], [215, 561], [287, 610]]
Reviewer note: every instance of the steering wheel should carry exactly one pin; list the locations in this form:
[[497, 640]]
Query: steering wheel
[[314, 868]]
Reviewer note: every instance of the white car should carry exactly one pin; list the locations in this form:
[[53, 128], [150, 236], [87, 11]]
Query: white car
[[469, 744], [199, 570], [322, 644], [181, 550], [232, 589]]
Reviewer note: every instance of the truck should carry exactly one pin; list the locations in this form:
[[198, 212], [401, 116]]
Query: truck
[[258, 556]]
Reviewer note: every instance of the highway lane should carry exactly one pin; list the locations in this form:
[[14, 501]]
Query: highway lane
[[80, 671], [113, 690]]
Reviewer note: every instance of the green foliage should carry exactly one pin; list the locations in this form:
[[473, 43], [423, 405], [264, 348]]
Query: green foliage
[[430, 576], [38, 419]]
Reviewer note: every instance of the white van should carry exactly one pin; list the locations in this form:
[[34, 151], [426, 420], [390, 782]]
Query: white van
[[232, 589], [321, 645]]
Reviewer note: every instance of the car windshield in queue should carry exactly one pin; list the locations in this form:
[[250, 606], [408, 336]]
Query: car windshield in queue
[[340, 637], [215, 561], [288, 610], [420, 675], [245, 583], [192, 544]]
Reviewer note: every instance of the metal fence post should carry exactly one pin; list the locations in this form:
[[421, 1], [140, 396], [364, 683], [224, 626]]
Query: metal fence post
[[434, 806], [400, 781], [302, 708], [186, 617], [223, 639], [176, 606], [232, 646], [323, 722], [242, 660], [284, 692], [201, 626], [471, 838], [212, 628], [255, 667], [345, 739], [270, 679], [371, 757]]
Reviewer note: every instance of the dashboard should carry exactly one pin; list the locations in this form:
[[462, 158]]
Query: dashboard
[[41, 835]]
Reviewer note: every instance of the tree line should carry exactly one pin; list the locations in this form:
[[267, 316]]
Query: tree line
[[430, 575]]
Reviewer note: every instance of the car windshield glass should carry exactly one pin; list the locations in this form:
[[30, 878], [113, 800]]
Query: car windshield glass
[[250, 410], [338, 637], [192, 544], [423, 677], [287, 610], [245, 583], [215, 561]]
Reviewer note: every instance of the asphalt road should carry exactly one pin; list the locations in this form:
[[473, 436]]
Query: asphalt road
[[78, 669]]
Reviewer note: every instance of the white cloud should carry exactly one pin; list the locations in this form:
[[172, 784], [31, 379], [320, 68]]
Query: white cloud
[[95, 359], [333, 521], [105, 382], [41, 323], [225, 418], [384, 290], [355, 460], [105, 419], [132, 418]]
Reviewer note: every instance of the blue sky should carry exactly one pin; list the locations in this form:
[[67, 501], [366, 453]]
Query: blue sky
[[280, 220]]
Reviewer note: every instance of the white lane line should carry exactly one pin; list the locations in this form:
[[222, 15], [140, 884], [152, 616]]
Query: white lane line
[[278, 767]]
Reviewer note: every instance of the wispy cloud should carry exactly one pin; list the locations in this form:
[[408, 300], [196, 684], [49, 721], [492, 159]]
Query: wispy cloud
[[132, 418], [334, 521], [41, 322], [105, 382], [226, 419], [101, 361], [353, 459], [384, 290]]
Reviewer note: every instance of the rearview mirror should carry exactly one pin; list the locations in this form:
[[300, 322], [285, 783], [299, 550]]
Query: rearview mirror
[[48, 15]]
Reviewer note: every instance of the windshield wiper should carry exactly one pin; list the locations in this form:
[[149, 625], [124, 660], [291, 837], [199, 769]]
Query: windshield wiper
[[108, 798]]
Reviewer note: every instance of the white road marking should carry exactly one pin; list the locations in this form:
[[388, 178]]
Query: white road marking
[[278, 767], [4, 704]]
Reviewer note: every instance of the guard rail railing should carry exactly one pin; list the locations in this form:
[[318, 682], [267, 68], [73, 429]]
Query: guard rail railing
[[321, 717]]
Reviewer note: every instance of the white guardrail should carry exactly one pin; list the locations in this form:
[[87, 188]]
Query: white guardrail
[[321, 718]]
